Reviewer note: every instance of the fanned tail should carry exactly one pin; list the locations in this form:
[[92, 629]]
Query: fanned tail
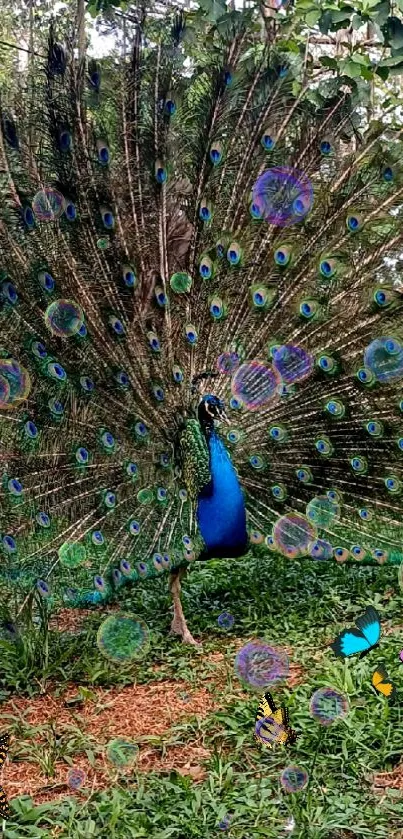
[[161, 220]]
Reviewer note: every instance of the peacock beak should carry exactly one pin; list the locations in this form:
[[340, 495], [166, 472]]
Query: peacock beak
[[223, 417]]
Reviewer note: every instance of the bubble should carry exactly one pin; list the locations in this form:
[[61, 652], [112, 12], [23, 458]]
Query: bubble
[[401, 655], [283, 196], [15, 383], [123, 638], [268, 730], [72, 554], [292, 363], [122, 753], [225, 620], [259, 665], [328, 705], [322, 511], [294, 778], [64, 318], [228, 362], [225, 822], [76, 778], [384, 358], [293, 534], [320, 549], [255, 384], [48, 204]]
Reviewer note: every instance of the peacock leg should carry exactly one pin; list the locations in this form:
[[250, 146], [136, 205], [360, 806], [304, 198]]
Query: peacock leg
[[179, 625]]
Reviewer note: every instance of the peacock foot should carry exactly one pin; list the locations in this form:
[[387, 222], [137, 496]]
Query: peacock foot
[[179, 627]]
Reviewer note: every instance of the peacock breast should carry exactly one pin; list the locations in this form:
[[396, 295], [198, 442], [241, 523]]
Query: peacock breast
[[221, 510]]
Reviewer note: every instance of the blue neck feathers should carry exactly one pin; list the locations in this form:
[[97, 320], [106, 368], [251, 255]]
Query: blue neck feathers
[[221, 511]]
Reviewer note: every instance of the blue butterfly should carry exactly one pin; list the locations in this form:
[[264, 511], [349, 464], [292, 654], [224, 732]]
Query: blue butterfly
[[360, 640]]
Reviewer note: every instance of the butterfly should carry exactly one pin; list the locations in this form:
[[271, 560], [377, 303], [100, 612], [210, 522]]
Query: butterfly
[[5, 812], [360, 640], [272, 724], [381, 682]]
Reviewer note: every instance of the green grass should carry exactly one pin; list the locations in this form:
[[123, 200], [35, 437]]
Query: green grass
[[300, 604]]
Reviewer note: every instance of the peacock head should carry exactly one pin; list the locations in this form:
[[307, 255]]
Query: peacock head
[[211, 408]]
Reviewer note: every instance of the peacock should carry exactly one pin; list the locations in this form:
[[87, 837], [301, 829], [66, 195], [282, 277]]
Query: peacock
[[201, 319]]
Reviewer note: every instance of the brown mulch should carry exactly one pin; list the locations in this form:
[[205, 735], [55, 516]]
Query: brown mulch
[[134, 712]]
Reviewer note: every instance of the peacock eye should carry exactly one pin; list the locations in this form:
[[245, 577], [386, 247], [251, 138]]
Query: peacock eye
[[31, 429], [99, 583], [183, 495], [107, 440], [359, 464], [9, 293], [216, 153], [43, 519], [341, 554], [87, 384], [15, 487], [97, 538], [9, 544], [38, 349], [205, 211], [153, 342], [122, 378], [125, 567], [103, 152], [217, 309], [109, 499], [134, 528], [46, 281], [177, 374], [65, 141], [43, 588], [268, 140], [304, 475], [129, 276], [160, 171], [158, 393], [56, 371], [116, 325], [191, 333], [141, 430], [108, 219], [70, 211], [162, 494], [206, 267], [132, 470], [282, 256], [28, 217], [234, 253], [354, 222], [56, 407], [160, 296], [82, 456]]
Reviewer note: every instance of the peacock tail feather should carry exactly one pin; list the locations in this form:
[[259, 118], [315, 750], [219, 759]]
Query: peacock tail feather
[[161, 222]]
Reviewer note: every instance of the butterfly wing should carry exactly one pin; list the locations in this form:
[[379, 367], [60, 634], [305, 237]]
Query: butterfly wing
[[4, 747], [5, 812], [370, 625], [360, 640], [382, 682]]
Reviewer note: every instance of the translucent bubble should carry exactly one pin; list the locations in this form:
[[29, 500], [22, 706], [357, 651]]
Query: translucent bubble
[[76, 778], [225, 822], [292, 363], [64, 318], [294, 778], [228, 362], [122, 753], [225, 620], [255, 384], [282, 196], [259, 665], [48, 204], [384, 357], [293, 534], [328, 705], [320, 549], [123, 638], [268, 730], [322, 511], [72, 554], [401, 655], [15, 383]]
